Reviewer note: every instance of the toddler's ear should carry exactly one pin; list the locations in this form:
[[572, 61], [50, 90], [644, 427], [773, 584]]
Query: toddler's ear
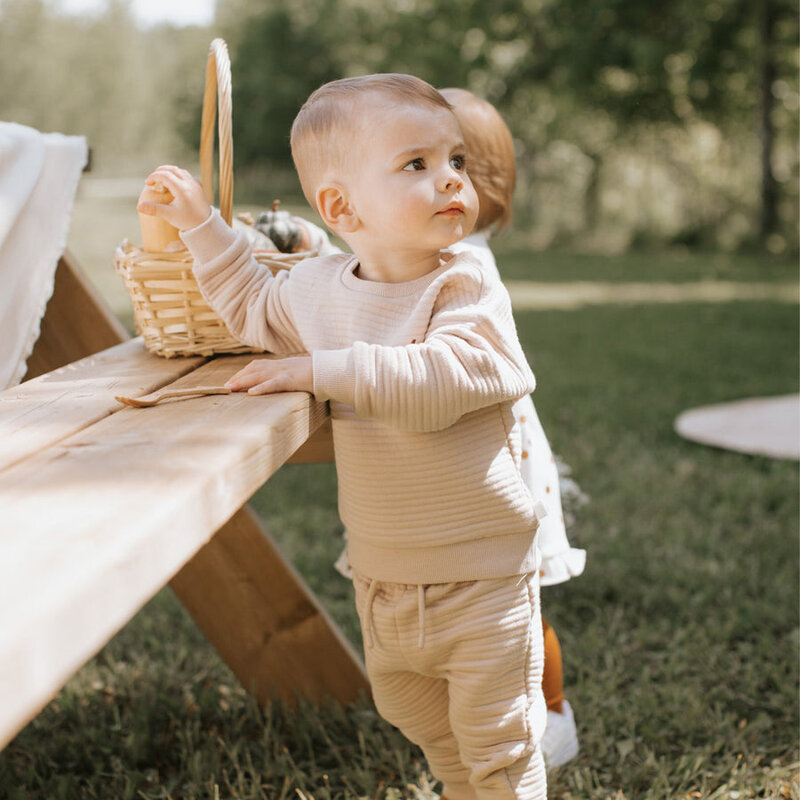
[[335, 209]]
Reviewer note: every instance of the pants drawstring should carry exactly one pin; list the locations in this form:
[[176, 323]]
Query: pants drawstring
[[369, 616], [421, 604], [370, 622]]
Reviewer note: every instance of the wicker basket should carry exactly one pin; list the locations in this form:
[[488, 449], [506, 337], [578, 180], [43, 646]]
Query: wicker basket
[[169, 311]]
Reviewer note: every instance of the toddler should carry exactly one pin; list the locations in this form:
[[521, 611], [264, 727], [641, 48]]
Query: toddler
[[492, 170], [415, 349]]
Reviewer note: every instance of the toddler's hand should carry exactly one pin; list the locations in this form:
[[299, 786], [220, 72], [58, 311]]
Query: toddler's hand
[[270, 375], [189, 207]]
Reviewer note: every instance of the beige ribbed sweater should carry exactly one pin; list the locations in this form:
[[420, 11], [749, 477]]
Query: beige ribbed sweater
[[421, 377]]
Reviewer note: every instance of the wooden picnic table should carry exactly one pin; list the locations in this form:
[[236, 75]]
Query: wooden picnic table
[[102, 505]]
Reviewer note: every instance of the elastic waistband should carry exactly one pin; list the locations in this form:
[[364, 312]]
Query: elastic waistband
[[478, 559]]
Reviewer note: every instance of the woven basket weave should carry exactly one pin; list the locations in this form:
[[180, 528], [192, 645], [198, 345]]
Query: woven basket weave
[[169, 311]]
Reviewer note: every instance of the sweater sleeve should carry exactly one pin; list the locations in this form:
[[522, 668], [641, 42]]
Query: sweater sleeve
[[470, 358], [254, 305]]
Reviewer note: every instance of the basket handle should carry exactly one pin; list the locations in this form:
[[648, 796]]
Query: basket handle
[[218, 93]]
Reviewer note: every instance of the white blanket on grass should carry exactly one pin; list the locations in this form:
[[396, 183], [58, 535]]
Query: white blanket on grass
[[39, 174]]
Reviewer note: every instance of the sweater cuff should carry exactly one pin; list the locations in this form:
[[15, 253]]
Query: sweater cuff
[[334, 375], [209, 238]]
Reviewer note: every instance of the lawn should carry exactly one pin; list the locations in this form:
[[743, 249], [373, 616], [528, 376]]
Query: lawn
[[678, 265], [680, 640]]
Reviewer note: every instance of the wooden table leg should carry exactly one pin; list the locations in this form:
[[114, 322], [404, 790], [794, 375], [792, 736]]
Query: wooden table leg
[[264, 621], [76, 324]]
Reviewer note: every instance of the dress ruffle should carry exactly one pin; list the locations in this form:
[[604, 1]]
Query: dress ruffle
[[560, 567]]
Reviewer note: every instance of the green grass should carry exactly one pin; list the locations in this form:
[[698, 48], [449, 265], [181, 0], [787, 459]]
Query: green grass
[[677, 265], [680, 640]]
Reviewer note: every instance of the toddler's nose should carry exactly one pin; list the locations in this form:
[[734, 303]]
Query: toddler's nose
[[451, 180]]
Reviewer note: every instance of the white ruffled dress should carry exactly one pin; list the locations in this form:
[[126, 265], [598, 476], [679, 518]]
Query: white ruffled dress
[[540, 470]]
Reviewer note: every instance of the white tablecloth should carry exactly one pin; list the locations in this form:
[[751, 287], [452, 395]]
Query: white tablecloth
[[39, 174]]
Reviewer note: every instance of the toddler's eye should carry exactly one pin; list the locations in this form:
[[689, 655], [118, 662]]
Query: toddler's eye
[[458, 162], [414, 166]]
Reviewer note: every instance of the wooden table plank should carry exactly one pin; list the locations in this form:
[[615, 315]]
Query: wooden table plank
[[112, 512], [47, 409]]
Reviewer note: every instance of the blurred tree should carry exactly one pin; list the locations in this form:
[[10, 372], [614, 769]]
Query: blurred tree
[[679, 61], [277, 59], [623, 112], [99, 76]]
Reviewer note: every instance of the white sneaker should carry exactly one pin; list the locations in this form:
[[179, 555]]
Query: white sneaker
[[560, 740]]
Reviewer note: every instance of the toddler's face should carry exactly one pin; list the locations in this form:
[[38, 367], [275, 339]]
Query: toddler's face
[[410, 189]]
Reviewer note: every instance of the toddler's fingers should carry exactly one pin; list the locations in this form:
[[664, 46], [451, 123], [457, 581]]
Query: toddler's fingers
[[236, 383], [269, 386], [258, 365], [156, 176], [174, 178], [165, 210], [169, 169], [244, 378], [168, 179]]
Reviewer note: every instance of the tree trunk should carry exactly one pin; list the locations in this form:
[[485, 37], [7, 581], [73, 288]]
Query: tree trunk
[[769, 187]]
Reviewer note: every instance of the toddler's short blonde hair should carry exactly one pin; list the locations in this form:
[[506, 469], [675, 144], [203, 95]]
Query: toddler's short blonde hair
[[490, 156], [330, 124]]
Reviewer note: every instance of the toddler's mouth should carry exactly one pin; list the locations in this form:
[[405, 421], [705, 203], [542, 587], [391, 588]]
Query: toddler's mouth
[[453, 210]]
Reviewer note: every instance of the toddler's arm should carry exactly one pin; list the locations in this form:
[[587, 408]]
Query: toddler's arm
[[253, 304]]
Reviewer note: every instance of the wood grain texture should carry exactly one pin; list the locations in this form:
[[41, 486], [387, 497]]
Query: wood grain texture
[[318, 448], [112, 512], [108, 512], [40, 412], [263, 619]]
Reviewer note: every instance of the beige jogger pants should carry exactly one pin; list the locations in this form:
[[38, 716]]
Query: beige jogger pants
[[457, 668]]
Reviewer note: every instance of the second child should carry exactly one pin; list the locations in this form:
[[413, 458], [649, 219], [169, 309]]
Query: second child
[[493, 172]]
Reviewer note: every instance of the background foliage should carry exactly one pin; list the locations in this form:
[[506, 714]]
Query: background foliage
[[635, 123]]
